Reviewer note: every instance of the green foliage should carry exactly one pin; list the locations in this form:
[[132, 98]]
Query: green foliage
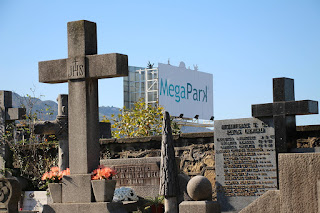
[[31, 157], [150, 202], [140, 121]]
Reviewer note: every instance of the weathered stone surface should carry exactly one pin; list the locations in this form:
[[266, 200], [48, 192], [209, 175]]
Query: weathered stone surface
[[245, 161], [77, 189], [199, 206], [298, 175], [98, 66], [168, 168], [10, 195], [141, 174], [83, 127], [98, 207], [268, 202], [283, 110], [59, 128], [103, 190], [82, 74], [183, 182], [199, 188], [7, 116]]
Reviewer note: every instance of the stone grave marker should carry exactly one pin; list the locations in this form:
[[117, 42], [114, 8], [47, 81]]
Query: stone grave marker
[[59, 128], [283, 111], [81, 70], [246, 165], [7, 115], [141, 174], [10, 195]]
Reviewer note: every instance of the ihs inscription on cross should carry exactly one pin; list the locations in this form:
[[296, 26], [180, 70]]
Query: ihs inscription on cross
[[283, 110], [81, 70]]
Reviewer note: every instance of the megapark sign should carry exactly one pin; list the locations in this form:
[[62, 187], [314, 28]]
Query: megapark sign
[[185, 91]]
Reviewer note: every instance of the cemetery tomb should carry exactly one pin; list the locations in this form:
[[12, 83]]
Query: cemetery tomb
[[246, 165]]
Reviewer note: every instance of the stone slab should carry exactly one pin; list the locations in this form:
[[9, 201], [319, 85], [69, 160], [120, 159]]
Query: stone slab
[[199, 206], [141, 174], [298, 175], [98, 207], [245, 161], [287, 108], [34, 200], [268, 202], [77, 189], [97, 66]]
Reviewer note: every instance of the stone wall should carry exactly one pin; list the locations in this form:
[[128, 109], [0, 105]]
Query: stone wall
[[308, 136], [195, 150]]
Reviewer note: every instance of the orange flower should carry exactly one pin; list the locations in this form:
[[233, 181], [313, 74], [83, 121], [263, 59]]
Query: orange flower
[[55, 169], [102, 172], [45, 176], [55, 175]]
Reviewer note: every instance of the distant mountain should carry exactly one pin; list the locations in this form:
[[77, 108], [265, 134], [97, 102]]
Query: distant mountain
[[44, 110], [107, 111], [48, 110]]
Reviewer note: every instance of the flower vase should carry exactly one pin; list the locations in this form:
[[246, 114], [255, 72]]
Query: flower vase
[[103, 190], [55, 191], [157, 208]]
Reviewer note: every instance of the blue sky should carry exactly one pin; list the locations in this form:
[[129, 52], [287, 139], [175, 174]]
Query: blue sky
[[244, 44]]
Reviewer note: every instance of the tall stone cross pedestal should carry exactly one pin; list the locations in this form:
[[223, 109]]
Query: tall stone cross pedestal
[[81, 70], [7, 115], [283, 110]]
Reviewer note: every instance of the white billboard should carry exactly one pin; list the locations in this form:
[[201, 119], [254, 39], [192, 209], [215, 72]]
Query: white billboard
[[185, 91]]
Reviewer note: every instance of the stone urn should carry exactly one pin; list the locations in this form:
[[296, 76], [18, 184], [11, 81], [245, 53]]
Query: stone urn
[[55, 192], [103, 190]]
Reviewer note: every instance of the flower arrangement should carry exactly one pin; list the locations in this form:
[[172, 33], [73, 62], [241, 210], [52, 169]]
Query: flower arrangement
[[54, 175], [103, 172]]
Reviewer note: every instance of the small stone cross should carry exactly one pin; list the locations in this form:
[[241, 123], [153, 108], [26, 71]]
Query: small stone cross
[[81, 70], [283, 110], [7, 115]]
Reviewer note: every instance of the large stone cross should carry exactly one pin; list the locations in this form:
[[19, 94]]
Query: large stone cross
[[283, 110], [7, 115], [81, 70]]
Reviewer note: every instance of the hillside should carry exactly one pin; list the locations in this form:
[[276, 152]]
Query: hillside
[[48, 110]]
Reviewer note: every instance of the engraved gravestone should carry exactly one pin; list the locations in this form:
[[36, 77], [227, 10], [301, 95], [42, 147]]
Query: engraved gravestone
[[141, 174], [246, 165]]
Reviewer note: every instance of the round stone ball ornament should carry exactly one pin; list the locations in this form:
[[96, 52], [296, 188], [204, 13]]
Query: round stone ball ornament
[[199, 188]]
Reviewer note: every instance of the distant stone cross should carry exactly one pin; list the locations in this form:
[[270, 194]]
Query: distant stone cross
[[283, 110], [7, 115], [81, 70]]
